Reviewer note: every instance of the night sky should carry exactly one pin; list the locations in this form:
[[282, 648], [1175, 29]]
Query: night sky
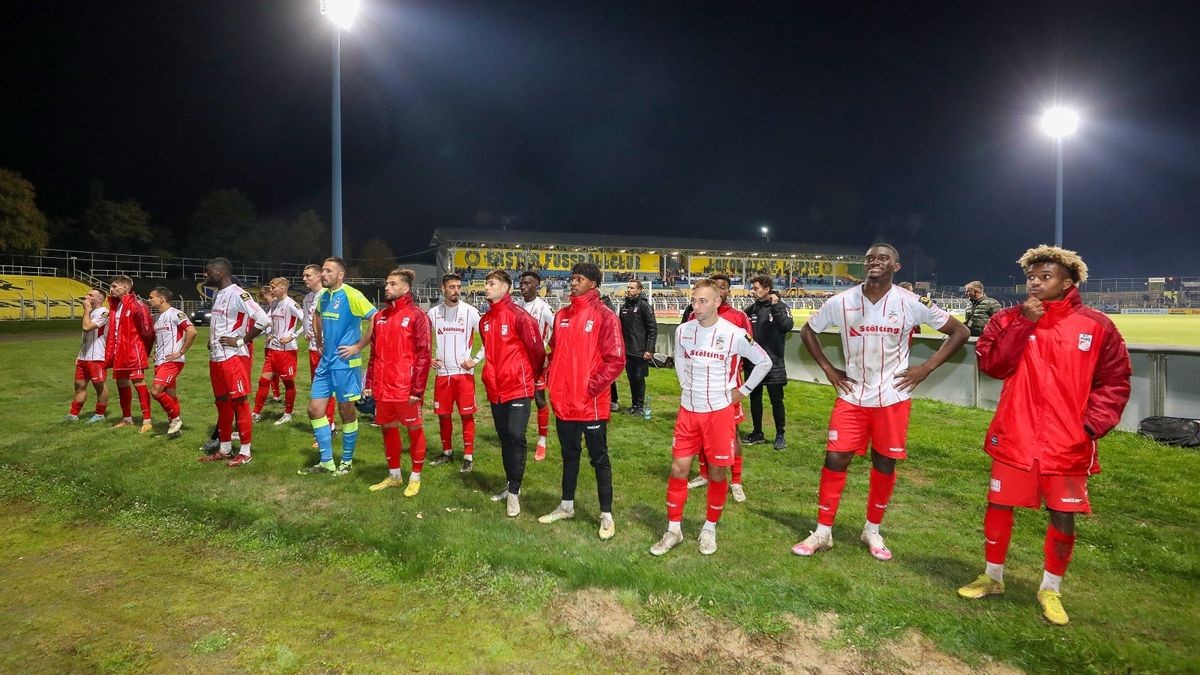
[[836, 123]]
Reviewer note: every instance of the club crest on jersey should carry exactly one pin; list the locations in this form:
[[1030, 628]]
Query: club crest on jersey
[[587, 327], [719, 343], [504, 329], [404, 323], [1085, 342]]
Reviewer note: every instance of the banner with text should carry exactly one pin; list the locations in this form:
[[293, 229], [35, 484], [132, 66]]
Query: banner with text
[[553, 261]]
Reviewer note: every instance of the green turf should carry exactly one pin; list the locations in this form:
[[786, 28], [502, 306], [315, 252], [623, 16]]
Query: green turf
[[1131, 591]]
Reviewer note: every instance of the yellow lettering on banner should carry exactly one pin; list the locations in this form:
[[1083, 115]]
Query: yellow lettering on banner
[[554, 261]]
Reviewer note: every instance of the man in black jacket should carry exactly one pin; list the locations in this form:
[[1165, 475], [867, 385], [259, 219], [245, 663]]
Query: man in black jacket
[[640, 330], [772, 321]]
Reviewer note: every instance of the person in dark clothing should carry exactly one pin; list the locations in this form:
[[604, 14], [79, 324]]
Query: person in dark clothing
[[772, 321], [640, 331], [981, 309], [612, 388]]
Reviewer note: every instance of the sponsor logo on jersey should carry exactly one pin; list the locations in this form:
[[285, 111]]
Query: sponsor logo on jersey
[[893, 330], [704, 352], [1085, 342]]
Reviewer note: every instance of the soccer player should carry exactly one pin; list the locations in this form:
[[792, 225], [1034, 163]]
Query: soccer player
[[312, 281], [173, 337], [530, 282], [236, 319], [342, 310], [876, 319], [89, 363], [1066, 381], [127, 348], [287, 322], [704, 348], [738, 318], [455, 324], [514, 354], [396, 377], [587, 354], [639, 329]]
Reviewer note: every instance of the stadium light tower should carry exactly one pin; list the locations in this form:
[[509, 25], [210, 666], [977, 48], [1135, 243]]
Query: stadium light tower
[[766, 233], [342, 14], [1059, 123]]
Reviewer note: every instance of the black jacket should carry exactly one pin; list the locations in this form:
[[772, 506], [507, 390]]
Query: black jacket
[[771, 325], [638, 326]]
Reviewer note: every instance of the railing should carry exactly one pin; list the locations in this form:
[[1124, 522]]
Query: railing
[[24, 271]]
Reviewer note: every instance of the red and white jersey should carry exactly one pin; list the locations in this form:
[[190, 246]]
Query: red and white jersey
[[309, 309], [454, 331], [287, 320], [169, 328], [706, 361], [232, 314], [542, 315], [94, 340], [876, 339]]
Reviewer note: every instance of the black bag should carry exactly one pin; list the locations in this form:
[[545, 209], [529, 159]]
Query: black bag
[[1175, 431]]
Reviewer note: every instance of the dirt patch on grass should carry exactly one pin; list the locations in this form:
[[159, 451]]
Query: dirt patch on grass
[[685, 639]]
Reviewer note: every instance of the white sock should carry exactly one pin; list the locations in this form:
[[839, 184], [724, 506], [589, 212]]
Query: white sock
[[1051, 582], [415, 476], [994, 571], [825, 531], [172, 420], [541, 440], [468, 456], [226, 447], [245, 449], [567, 505], [398, 474], [871, 528], [675, 527], [127, 420], [710, 526]]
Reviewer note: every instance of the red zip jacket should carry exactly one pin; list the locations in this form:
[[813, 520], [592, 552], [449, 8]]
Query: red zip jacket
[[738, 318], [1066, 382], [587, 353], [513, 352], [128, 325], [400, 352]]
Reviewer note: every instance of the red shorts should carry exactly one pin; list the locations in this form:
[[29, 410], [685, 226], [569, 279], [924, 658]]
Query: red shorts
[[230, 377], [167, 373], [314, 358], [451, 390], [406, 413], [1029, 488], [713, 433], [281, 362], [135, 374], [852, 428], [92, 371]]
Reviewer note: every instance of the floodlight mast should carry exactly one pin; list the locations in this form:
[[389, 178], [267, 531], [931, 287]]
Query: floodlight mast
[[342, 14], [1058, 123]]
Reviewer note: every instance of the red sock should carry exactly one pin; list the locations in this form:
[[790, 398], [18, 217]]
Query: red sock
[[392, 446], [416, 447], [544, 420], [169, 405], [289, 396], [468, 434], [1058, 549], [224, 420], [737, 469], [445, 431], [329, 409], [126, 396], [677, 494], [830, 493], [703, 466], [997, 532], [101, 408], [260, 396], [241, 410], [76, 406], [144, 399], [718, 492], [879, 494], [275, 387]]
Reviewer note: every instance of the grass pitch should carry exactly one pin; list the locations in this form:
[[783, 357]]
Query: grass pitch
[[123, 554]]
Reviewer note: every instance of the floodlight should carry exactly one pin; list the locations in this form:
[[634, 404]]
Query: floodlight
[[1060, 122], [341, 12]]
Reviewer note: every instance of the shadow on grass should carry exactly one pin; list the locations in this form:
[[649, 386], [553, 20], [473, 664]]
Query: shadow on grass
[[793, 520]]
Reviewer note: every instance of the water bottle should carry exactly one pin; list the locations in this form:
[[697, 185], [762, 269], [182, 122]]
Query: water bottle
[[646, 409]]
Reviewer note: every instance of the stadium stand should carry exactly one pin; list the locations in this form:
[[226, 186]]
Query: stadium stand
[[43, 296]]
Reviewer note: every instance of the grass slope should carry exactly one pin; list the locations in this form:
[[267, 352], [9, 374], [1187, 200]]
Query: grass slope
[[1132, 589]]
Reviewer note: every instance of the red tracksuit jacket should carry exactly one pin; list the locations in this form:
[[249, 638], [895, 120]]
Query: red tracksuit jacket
[[129, 324], [1066, 382], [400, 352], [587, 353], [513, 352]]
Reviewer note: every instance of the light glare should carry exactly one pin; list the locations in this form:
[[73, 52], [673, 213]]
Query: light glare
[[1060, 122], [341, 12]]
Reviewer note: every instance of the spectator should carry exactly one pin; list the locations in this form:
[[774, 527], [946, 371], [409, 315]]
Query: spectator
[[981, 309], [772, 320], [640, 331]]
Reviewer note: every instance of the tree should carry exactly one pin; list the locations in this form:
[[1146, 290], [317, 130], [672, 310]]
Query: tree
[[123, 227], [307, 239], [376, 258], [22, 224], [225, 224]]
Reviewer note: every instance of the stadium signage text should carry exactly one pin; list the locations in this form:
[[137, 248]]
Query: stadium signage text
[[554, 261]]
